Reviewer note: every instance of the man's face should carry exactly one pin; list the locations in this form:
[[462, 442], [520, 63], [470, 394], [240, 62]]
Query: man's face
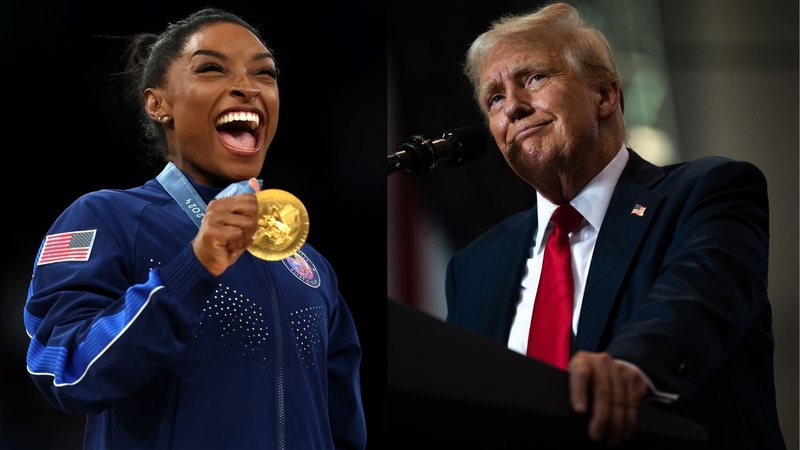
[[543, 116], [223, 95]]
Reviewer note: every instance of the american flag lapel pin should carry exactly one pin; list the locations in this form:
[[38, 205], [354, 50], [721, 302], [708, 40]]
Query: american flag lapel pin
[[638, 210]]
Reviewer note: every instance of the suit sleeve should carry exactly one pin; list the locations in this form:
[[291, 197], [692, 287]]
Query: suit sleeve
[[710, 290], [345, 408], [96, 336]]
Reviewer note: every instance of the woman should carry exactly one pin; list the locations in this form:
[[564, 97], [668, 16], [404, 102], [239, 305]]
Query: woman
[[145, 311]]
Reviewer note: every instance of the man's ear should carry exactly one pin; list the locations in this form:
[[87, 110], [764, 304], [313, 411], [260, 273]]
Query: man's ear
[[610, 99], [157, 108]]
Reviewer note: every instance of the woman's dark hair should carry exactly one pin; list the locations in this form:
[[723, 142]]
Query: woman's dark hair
[[149, 56]]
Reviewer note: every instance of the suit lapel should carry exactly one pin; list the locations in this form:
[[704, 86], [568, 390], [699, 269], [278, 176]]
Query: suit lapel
[[619, 239], [503, 267]]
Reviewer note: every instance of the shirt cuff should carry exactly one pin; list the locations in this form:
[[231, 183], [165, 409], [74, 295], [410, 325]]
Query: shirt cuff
[[659, 396]]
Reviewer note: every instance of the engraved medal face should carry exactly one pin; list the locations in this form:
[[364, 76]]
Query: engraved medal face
[[282, 225]]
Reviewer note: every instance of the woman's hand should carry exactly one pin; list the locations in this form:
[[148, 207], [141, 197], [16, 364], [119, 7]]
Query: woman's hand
[[226, 231]]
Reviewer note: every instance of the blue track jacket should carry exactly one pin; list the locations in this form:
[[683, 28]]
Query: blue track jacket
[[160, 354]]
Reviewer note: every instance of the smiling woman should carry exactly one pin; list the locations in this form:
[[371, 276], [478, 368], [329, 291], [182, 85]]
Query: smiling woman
[[219, 88], [145, 312]]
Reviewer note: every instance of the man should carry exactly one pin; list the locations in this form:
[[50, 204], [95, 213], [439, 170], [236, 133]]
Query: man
[[663, 287]]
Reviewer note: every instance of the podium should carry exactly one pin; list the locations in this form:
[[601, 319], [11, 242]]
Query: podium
[[450, 388]]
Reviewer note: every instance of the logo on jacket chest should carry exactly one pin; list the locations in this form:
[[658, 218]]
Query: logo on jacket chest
[[303, 269]]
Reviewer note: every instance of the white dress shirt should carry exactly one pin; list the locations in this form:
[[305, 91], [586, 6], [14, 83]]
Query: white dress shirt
[[592, 202]]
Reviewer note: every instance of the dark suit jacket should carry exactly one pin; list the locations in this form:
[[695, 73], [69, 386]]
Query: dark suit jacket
[[680, 291]]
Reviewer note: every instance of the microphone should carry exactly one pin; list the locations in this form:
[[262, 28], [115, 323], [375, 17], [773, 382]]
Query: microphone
[[418, 154]]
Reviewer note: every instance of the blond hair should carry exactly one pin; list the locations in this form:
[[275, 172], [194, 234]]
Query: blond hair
[[585, 49]]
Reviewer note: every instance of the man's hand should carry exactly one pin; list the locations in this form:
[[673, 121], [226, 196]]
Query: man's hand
[[226, 231], [616, 391]]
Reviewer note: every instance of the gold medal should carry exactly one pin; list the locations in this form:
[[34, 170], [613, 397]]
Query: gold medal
[[282, 225]]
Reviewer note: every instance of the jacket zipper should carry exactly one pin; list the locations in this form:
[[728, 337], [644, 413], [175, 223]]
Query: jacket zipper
[[280, 403]]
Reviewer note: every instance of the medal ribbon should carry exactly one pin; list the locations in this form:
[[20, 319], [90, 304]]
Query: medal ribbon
[[181, 190]]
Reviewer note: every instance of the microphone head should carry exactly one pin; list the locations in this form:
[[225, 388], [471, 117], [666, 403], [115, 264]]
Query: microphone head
[[467, 143], [419, 154]]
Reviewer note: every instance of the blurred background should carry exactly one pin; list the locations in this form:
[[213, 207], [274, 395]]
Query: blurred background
[[701, 77], [74, 133]]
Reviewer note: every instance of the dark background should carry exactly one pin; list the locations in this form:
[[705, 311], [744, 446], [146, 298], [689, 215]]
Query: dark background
[[73, 133]]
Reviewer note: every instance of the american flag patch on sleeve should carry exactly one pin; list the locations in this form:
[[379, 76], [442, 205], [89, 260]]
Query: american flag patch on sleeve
[[70, 246]]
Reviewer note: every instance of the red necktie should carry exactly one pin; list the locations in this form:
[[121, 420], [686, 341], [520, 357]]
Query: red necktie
[[549, 335]]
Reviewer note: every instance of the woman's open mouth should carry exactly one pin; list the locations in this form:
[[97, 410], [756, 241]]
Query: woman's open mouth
[[240, 132]]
